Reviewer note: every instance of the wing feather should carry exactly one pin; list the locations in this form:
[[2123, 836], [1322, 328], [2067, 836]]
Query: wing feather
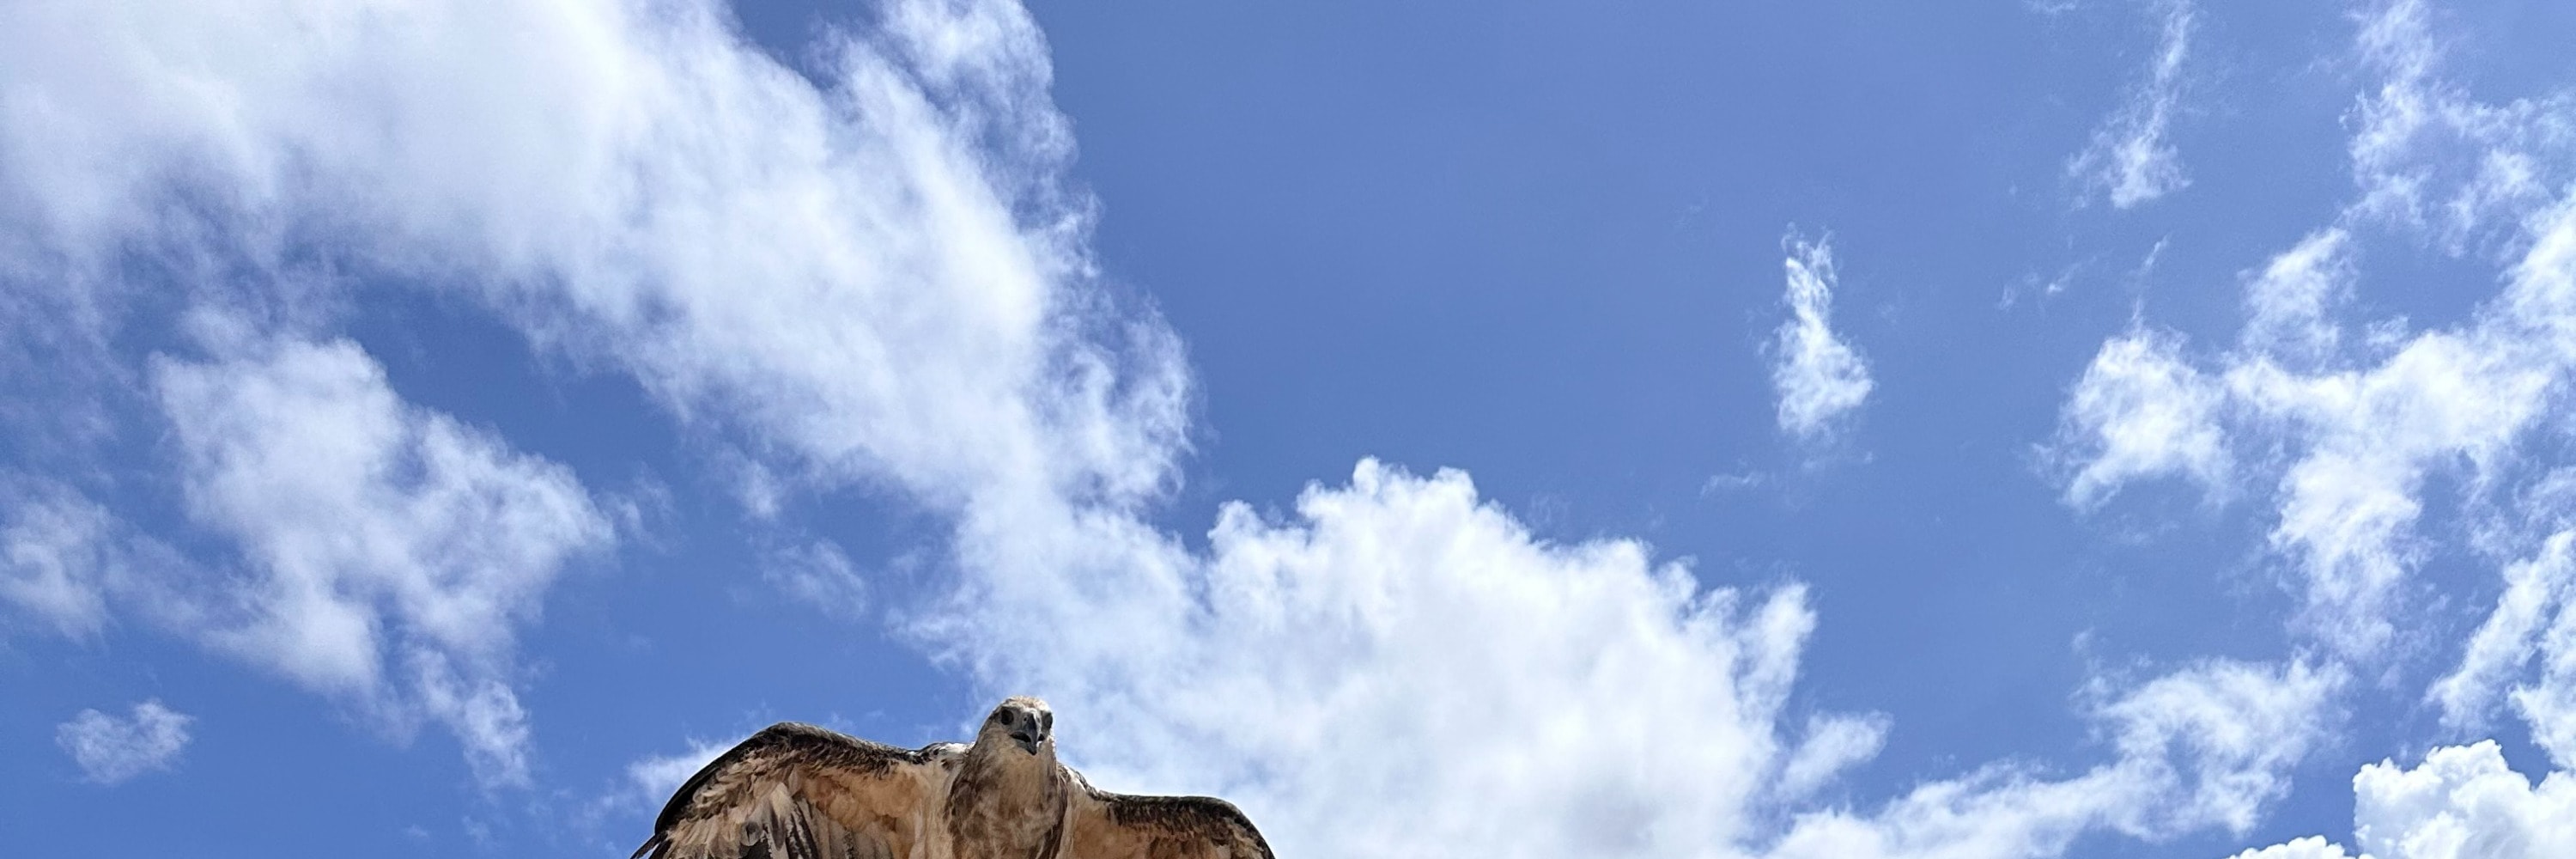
[[800, 792], [1104, 825]]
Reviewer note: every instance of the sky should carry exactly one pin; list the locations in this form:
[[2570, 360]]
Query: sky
[[2120, 428]]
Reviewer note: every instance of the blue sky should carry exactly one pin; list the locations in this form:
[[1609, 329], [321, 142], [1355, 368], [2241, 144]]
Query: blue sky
[[1758, 430]]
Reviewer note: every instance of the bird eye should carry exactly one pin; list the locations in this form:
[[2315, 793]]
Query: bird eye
[[1046, 720], [1002, 716]]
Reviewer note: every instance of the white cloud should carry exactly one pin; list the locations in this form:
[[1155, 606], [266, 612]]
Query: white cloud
[[2548, 703], [1818, 378], [2364, 441], [111, 750], [2426, 154], [2533, 591], [2235, 728], [1833, 744], [55, 554], [657, 776], [1402, 669], [2289, 304], [819, 574], [375, 530], [879, 281], [2311, 847], [2462, 802], [2205, 746], [2357, 430], [69, 563], [2129, 160], [1405, 667], [2141, 411]]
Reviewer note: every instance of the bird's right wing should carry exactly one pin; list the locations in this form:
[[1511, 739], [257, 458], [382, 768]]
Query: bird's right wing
[[800, 792]]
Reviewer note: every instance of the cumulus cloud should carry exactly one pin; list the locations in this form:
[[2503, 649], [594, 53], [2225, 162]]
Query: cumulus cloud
[[2462, 802], [2129, 161], [1819, 379], [1400, 668], [111, 749], [394, 550], [1402, 644]]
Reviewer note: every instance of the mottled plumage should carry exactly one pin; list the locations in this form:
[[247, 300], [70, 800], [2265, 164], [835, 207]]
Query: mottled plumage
[[800, 792]]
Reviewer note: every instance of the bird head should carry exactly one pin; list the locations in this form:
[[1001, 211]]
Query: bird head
[[1021, 721]]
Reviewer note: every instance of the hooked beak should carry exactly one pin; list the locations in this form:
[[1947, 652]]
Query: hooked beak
[[1028, 740]]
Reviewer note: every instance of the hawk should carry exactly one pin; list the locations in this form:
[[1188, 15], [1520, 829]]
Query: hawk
[[796, 791]]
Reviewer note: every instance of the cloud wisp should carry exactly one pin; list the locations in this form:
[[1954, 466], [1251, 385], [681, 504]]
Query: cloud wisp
[[110, 749], [2129, 160], [1819, 380]]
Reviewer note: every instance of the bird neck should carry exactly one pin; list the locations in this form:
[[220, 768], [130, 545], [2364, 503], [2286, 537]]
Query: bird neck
[[1003, 764]]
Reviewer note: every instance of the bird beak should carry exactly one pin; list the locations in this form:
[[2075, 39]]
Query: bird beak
[[1029, 741]]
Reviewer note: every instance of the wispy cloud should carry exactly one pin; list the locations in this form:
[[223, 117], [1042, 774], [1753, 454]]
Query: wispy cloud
[[2348, 425], [2535, 590], [1819, 379], [2428, 155], [819, 574], [111, 749], [879, 279], [2140, 411], [2129, 160], [55, 555], [2359, 442], [380, 532]]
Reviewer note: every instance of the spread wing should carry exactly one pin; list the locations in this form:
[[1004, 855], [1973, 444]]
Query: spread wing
[[801, 792], [1104, 825]]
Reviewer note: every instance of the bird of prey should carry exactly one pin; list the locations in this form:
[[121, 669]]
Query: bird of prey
[[796, 791]]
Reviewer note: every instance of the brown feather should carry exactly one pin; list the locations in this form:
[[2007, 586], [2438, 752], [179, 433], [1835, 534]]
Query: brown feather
[[800, 792], [1104, 825]]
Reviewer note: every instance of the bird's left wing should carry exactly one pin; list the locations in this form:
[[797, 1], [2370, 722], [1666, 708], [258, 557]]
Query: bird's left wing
[[1104, 825], [801, 792]]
